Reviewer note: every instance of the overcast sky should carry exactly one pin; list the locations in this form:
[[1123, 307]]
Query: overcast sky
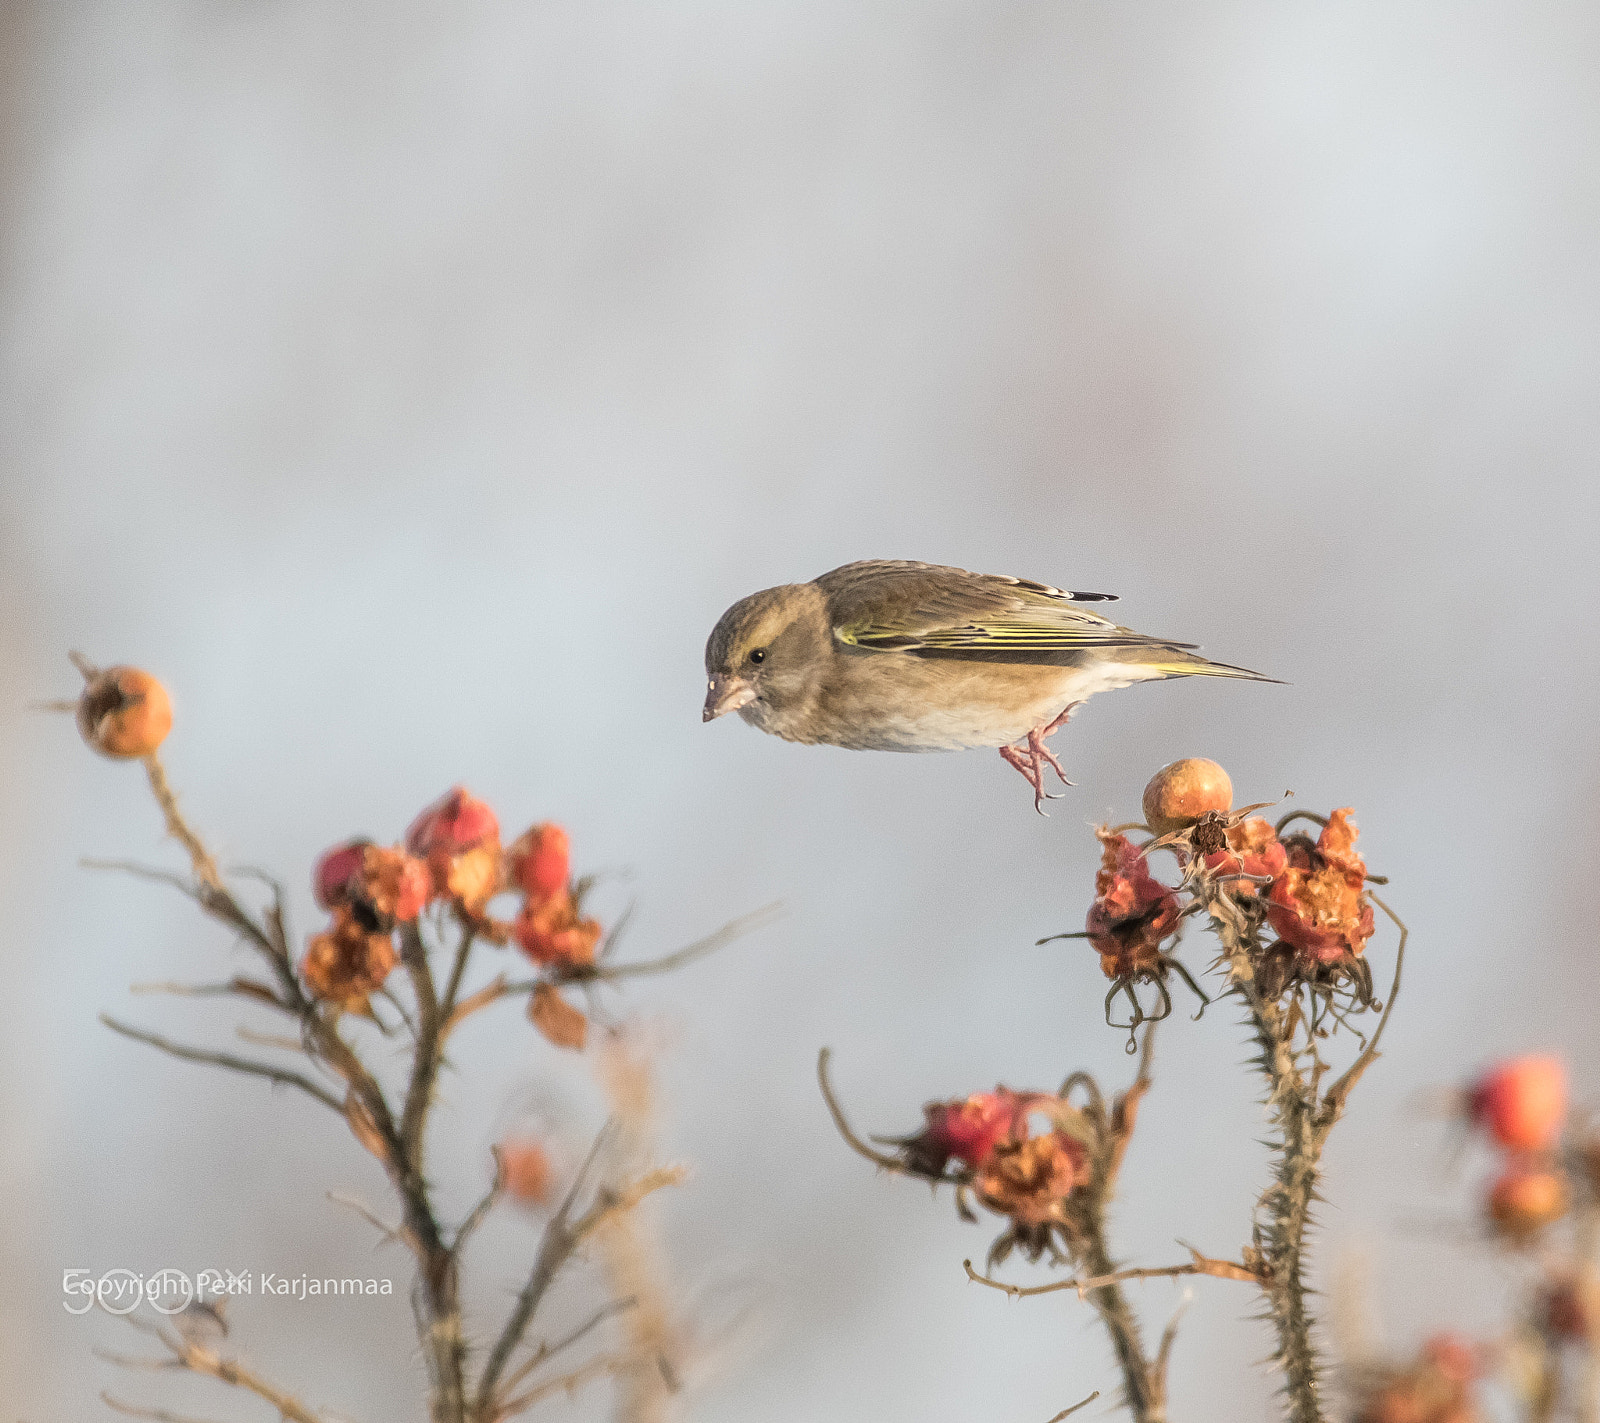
[[413, 386]]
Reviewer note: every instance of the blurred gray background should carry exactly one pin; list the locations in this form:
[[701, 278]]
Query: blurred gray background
[[413, 386]]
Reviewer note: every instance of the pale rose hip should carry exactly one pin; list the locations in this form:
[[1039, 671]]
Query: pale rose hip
[[1522, 1103], [124, 713], [1523, 1201], [527, 1172], [1179, 794], [1454, 1357]]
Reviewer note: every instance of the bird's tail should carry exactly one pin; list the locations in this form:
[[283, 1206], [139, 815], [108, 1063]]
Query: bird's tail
[[1181, 665]]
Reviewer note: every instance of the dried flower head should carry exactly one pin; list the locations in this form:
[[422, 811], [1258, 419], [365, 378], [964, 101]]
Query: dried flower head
[[551, 933], [459, 838], [1133, 912], [1132, 915], [1253, 850], [1570, 1308], [1525, 1199], [967, 1129], [124, 712], [337, 871], [456, 822], [1521, 1104], [384, 886], [348, 962], [395, 885], [539, 861], [1030, 1180], [1437, 1388], [1318, 904], [558, 1020]]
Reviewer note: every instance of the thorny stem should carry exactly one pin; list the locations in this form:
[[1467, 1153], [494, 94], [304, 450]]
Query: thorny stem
[[1145, 1396], [205, 868], [439, 1274], [1144, 1389], [1303, 1117], [1287, 1207]]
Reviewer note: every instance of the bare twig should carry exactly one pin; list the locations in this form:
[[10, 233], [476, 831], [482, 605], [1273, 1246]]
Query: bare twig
[[389, 1232], [1200, 1265], [474, 1001], [562, 1237], [1082, 1403], [476, 1215], [186, 1354], [457, 969], [217, 902], [279, 1075], [1333, 1103], [547, 1351], [393, 999], [161, 1415], [568, 1383], [1169, 1336], [889, 1163], [733, 929], [555, 1250], [277, 1040], [237, 987]]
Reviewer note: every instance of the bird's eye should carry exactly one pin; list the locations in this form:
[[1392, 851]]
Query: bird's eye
[[758, 654]]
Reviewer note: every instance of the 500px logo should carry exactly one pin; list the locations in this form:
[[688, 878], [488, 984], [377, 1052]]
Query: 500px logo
[[122, 1291]]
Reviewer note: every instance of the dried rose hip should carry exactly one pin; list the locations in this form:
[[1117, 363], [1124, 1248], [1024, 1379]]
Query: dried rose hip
[[124, 712]]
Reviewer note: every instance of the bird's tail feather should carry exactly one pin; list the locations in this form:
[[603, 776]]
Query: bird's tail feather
[[1199, 667]]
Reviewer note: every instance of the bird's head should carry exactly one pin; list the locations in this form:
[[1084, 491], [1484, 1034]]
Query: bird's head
[[766, 651]]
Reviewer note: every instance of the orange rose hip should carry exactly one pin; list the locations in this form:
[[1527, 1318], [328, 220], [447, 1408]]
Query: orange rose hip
[[1179, 794], [124, 713]]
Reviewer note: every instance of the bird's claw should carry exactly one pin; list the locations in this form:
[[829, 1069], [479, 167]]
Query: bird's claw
[[1029, 765], [1030, 760]]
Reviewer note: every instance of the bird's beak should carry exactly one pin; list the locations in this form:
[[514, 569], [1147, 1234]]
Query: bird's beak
[[726, 693]]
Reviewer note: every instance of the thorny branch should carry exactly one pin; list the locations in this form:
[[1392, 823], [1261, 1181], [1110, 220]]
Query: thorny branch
[[1199, 1265], [192, 1356], [562, 1238], [395, 1137], [280, 1075], [878, 1158], [1303, 1115]]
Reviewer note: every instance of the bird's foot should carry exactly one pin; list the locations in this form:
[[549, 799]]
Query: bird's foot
[[1032, 758], [1032, 770]]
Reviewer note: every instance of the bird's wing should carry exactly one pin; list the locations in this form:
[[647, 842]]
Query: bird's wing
[[934, 611]]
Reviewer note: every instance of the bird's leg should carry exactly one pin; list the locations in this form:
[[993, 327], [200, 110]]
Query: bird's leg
[[1036, 741], [1035, 756]]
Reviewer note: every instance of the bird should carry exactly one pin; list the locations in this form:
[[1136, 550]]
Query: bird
[[895, 655]]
